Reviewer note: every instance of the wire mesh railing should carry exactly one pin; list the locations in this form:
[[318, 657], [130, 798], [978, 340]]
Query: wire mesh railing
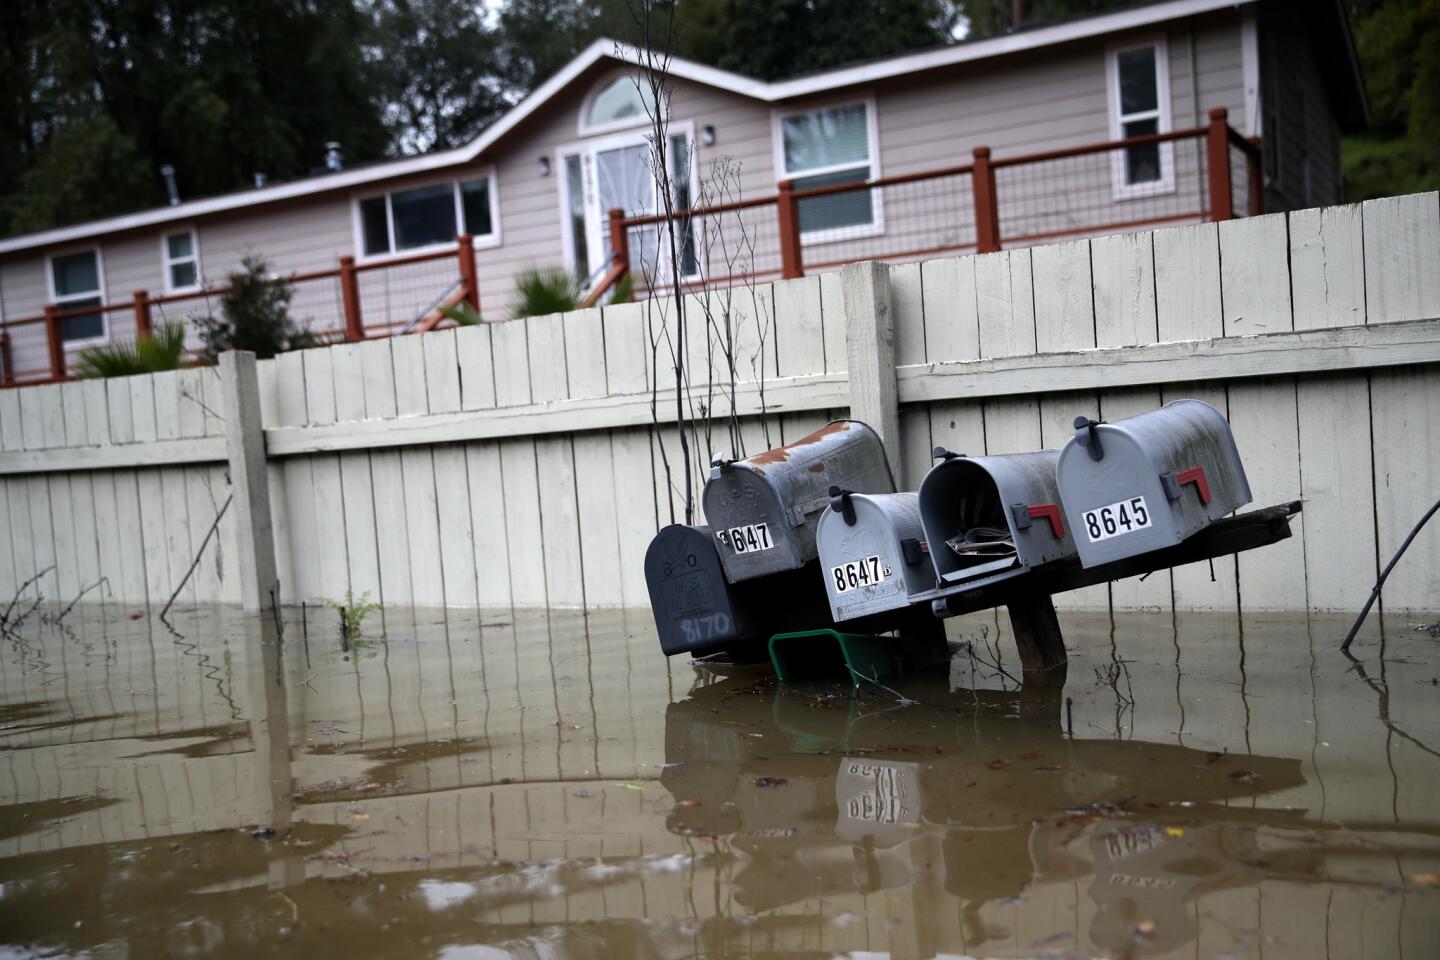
[[1096, 189]]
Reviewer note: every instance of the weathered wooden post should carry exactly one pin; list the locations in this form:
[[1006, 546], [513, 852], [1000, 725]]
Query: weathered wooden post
[[1217, 160], [1039, 640], [987, 214], [54, 342], [619, 242], [245, 444], [870, 350], [142, 313], [465, 253], [792, 263], [350, 300]]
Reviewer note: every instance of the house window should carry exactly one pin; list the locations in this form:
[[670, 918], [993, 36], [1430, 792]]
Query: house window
[[622, 102], [428, 216], [827, 146], [75, 284], [182, 263], [575, 215], [1140, 105]]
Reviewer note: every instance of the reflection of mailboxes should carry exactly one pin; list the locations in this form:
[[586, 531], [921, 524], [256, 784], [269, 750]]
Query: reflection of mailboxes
[[698, 611], [988, 516], [764, 510], [1150, 481], [872, 553]]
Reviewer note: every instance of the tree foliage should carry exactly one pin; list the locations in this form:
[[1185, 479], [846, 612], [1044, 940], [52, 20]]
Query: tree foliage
[[254, 315]]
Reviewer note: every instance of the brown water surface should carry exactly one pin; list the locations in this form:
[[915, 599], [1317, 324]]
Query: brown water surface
[[533, 785]]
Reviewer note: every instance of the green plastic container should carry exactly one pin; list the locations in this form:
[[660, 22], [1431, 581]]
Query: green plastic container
[[826, 653]]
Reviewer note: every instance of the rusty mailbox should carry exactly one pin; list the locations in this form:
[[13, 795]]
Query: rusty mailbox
[[764, 510], [697, 610], [1149, 481], [990, 516], [872, 553]]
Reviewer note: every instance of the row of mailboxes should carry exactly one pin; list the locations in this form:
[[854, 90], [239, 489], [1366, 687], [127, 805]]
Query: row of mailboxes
[[1116, 490]]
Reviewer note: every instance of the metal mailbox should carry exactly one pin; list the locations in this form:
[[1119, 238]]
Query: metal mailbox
[[697, 610], [764, 510], [872, 553], [1150, 481], [986, 516]]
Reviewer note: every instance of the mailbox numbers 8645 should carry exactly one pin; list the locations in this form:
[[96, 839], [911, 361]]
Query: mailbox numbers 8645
[[747, 539], [858, 573], [1102, 523]]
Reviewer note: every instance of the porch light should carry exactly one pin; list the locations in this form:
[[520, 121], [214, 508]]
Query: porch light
[[544, 166], [707, 135]]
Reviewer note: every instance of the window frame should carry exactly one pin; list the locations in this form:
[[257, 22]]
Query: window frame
[[584, 129], [876, 227], [59, 302], [480, 241], [1161, 114], [167, 262]]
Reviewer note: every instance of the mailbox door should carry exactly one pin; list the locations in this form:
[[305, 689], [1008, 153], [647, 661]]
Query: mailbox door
[[689, 595], [875, 564]]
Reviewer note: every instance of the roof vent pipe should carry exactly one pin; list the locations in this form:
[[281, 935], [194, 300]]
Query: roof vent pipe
[[168, 172], [333, 160], [260, 179]]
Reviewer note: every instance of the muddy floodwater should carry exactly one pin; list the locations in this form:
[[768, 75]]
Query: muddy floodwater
[[532, 785]]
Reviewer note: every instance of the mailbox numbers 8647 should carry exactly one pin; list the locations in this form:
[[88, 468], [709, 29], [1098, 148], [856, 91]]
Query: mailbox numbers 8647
[[1102, 523], [857, 574], [750, 538]]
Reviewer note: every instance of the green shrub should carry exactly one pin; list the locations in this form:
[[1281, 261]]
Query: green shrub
[[463, 314], [546, 290], [254, 316], [164, 349]]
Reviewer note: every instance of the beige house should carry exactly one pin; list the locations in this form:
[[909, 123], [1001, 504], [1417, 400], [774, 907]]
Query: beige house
[[894, 141]]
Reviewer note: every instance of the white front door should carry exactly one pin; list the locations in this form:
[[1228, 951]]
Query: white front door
[[615, 173]]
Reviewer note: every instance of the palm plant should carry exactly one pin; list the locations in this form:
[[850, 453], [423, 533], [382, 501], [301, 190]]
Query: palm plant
[[163, 349], [546, 290]]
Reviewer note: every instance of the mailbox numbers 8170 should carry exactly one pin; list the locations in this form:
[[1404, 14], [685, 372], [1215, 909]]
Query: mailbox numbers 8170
[[858, 573], [747, 539], [1127, 516]]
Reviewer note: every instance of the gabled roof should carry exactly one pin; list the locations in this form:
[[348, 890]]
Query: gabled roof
[[686, 69]]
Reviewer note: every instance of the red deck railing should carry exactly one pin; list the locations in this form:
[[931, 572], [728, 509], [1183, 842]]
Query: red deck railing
[[370, 299], [1207, 173]]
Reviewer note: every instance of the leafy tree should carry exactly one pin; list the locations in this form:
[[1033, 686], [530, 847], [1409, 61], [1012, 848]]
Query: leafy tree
[[254, 316]]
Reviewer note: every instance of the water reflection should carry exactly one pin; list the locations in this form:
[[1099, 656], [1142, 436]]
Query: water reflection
[[546, 785]]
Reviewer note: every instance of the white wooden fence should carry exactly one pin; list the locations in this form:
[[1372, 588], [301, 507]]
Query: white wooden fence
[[524, 464]]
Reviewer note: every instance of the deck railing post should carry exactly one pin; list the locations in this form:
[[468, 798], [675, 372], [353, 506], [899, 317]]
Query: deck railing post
[[1217, 160], [350, 300], [245, 449], [56, 344], [620, 242], [792, 262], [987, 215], [142, 313], [1255, 167], [465, 253]]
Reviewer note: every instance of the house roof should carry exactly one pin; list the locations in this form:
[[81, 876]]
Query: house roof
[[602, 49]]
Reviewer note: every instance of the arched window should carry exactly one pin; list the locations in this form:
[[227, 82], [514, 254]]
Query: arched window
[[620, 102]]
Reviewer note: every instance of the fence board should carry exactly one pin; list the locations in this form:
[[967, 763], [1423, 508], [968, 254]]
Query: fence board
[[1327, 267], [1064, 305], [1406, 407], [487, 521], [392, 543], [952, 321], [512, 363], [1123, 277], [378, 377], [799, 328], [1402, 257], [457, 539], [72, 400], [1005, 303], [122, 546], [832, 320], [1254, 275], [356, 489], [1187, 283], [62, 524], [1264, 420], [907, 312], [12, 429], [477, 370], [442, 370], [1337, 482]]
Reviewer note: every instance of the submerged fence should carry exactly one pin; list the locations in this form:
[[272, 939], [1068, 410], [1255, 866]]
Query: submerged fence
[[527, 463]]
